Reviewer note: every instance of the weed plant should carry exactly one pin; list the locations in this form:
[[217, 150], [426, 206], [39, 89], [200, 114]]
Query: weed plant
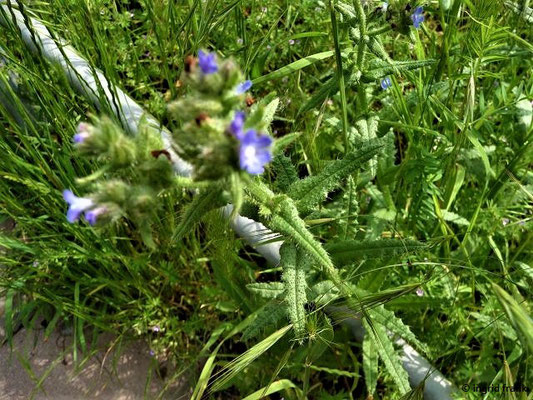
[[391, 153]]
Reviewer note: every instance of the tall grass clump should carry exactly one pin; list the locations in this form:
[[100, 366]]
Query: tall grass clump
[[384, 148]]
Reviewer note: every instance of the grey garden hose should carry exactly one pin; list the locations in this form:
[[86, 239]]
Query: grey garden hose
[[90, 82]]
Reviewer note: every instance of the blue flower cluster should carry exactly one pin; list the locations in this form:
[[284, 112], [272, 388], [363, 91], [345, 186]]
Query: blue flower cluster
[[207, 62], [386, 83], [82, 133], [254, 147], [418, 17], [80, 205]]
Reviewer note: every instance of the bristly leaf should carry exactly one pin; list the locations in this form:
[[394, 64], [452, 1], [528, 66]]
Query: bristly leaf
[[285, 172], [347, 11], [350, 251], [267, 290], [267, 317], [202, 203], [293, 264], [366, 132], [282, 143], [280, 215], [381, 69], [313, 190], [375, 46], [395, 325], [385, 348], [288, 222], [370, 365]]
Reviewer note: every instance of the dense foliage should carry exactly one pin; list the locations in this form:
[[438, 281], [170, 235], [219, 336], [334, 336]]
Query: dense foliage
[[387, 146]]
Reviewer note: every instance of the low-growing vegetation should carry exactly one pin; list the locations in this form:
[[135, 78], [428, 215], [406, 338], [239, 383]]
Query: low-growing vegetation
[[385, 149]]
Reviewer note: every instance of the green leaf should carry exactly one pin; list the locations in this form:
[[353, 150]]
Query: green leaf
[[267, 290], [293, 67], [326, 90], [201, 204], [287, 221], [370, 365], [394, 324], [285, 172], [293, 264], [266, 317], [313, 190], [233, 368], [378, 335], [203, 380], [236, 191], [455, 218], [324, 292], [52, 323], [349, 251], [518, 316], [481, 151], [415, 394], [380, 69], [270, 111], [346, 10], [274, 387], [283, 142]]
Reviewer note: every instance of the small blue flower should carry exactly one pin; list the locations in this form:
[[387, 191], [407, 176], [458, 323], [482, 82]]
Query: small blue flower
[[237, 124], [78, 205], [254, 152], [418, 17], [243, 87], [82, 133], [386, 83], [92, 215], [207, 62]]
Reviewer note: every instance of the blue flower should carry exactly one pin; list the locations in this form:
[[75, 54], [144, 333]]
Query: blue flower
[[254, 152], [82, 133], [237, 124], [386, 83], [418, 17], [92, 215], [78, 205], [207, 62], [243, 87]]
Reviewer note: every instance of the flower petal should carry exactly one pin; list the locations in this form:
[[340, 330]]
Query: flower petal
[[69, 196], [243, 87], [73, 214]]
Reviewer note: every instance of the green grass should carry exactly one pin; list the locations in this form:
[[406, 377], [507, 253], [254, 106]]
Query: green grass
[[455, 174]]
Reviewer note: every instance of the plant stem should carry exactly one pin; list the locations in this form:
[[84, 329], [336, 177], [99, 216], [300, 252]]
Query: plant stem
[[340, 73]]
